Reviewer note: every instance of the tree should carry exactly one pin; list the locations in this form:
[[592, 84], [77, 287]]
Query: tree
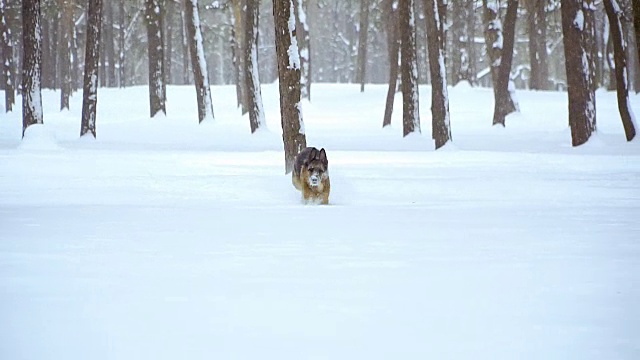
[[504, 105], [6, 42], [157, 84], [198, 61], [122, 81], [614, 13], [636, 23], [238, 40], [441, 131], [462, 29], [409, 69], [254, 95], [305, 48], [32, 64], [363, 29], [91, 62], [537, 25], [582, 107], [289, 81], [393, 45], [65, 53]]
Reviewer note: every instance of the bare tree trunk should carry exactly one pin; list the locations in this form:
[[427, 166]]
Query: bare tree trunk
[[168, 40], [289, 75], [503, 103], [636, 24], [361, 68], [463, 13], [582, 110], [157, 85], [539, 79], [393, 41], [305, 48], [441, 131], [409, 69], [32, 64], [66, 86], [110, 52], [198, 61], [6, 41], [241, 89], [254, 96], [121, 45], [90, 90], [614, 13], [185, 50]]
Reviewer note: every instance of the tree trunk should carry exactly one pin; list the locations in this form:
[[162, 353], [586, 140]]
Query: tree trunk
[[91, 60], [305, 48], [591, 44], [198, 61], [393, 41], [461, 30], [168, 40], [636, 24], [611, 63], [66, 86], [6, 41], [441, 131], [32, 64], [539, 79], [289, 81], [121, 45], [157, 85], [361, 68], [409, 69], [185, 50], [241, 89], [254, 96], [614, 13], [503, 103], [582, 109]]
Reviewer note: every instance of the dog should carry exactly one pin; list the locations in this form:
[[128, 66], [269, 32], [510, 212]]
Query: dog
[[311, 175]]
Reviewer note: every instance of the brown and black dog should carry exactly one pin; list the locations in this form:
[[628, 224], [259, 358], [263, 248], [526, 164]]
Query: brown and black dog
[[311, 175]]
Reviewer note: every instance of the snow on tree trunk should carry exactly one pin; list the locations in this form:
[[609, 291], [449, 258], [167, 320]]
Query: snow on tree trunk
[[65, 53], [393, 45], [305, 48], [6, 41], [537, 24], [615, 14], [409, 69], [363, 32], [504, 104], [157, 85], [198, 61], [289, 81], [92, 57], [441, 131], [32, 64], [582, 107], [254, 96]]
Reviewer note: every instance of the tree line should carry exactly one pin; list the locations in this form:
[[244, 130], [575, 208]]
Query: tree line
[[572, 45]]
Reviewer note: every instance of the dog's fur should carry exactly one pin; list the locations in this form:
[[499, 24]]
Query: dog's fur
[[311, 175]]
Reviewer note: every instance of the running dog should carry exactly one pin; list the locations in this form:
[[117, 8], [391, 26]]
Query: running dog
[[311, 175]]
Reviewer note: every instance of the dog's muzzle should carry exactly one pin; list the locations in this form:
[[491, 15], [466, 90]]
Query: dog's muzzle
[[314, 180]]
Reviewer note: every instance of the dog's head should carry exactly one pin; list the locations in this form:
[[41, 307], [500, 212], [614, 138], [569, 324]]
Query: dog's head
[[315, 169]]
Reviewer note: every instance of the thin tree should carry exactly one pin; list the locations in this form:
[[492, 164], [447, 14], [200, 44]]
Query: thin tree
[[238, 17], [6, 42], [462, 50], [614, 13], [91, 62], [109, 46], [582, 106], [31, 65], [537, 25], [122, 80], [254, 96], [65, 53], [361, 68], [503, 100], [439, 96], [198, 61], [305, 48], [289, 81], [393, 46], [157, 84], [636, 23], [409, 69]]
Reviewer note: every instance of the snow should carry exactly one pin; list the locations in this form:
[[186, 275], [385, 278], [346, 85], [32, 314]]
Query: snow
[[579, 20], [168, 239], [294, 55]]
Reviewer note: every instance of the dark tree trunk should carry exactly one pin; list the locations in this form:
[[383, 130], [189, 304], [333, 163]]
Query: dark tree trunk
[[305, 48], [121, 45], [461, 28], [289, 82], [66, 86], [75, 76], [31, 65], [539, 79], [110, 51], [591, 44], [614, 13], [6, 41], [157, 85], [254, 96], [409, 69], [185, 50], [503, 103], [361, 68], [168, 40], [91, 60], [611, 63], [241, 89], [582, 110], [198, 61], [441, 131], [393, 41], [636, 24]]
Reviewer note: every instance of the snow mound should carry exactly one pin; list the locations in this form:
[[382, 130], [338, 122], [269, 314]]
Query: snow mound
[[39, 137], [462, 87]]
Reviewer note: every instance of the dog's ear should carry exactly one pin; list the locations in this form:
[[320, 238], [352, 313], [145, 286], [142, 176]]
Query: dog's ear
[[323, 156], [313, 153]]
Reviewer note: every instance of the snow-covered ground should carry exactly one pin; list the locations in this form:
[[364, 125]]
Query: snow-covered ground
[[165, 239]]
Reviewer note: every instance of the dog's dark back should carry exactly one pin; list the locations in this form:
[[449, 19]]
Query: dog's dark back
[[305, 156]]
